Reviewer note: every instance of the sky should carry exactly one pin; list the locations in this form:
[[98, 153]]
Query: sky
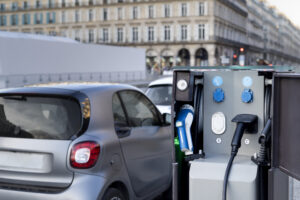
[[290, 8]]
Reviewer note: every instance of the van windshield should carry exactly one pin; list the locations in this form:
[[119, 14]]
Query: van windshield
[[39, 117]]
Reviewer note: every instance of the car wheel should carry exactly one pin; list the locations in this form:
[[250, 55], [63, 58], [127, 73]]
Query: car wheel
[[114, 194]]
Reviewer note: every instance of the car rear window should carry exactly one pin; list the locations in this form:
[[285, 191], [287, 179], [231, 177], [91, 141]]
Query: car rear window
[[39, 117]]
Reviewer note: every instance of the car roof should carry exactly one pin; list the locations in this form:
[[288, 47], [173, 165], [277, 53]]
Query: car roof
[[66, 88], [162, 81]]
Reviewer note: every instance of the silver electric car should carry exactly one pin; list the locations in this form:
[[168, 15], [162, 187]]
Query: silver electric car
[[82, 142]]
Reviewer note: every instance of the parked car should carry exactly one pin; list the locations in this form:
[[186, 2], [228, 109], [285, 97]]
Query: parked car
[[82, 142], [160, 92]]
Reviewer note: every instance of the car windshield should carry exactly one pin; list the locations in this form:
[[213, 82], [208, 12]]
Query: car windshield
[[160, 95], [39, 117]]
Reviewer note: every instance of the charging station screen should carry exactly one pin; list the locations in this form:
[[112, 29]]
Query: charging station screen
[[286, 124]]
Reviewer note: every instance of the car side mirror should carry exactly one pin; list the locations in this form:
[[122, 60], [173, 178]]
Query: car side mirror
[[166, 119]]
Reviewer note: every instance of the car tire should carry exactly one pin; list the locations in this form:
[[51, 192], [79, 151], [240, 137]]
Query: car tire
[[114, 194]]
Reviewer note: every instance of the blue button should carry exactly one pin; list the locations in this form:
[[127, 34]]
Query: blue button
[[247, 96], [218, 95]]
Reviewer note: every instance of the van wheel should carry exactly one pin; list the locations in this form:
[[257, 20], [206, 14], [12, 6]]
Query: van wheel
[[114, 194]]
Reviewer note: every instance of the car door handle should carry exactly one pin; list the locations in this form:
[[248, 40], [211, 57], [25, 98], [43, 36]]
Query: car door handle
[[123, 131]]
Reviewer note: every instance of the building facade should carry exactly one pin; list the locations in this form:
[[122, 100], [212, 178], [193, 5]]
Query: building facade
[[173, 32]]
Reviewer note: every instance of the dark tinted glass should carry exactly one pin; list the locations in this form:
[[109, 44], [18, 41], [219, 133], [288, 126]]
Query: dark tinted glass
[[141, 112], [160, 95], [39, 117], [119, 115]]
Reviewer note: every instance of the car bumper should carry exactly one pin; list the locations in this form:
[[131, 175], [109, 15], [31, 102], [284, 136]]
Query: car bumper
[[83, 187]]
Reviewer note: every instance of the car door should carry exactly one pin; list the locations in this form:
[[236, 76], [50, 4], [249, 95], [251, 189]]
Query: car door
[[146, 144]]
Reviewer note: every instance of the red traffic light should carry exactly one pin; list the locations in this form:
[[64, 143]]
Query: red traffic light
[[234, 56]]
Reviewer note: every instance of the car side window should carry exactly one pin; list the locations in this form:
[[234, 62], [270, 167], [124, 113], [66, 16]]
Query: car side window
[[140, 111], [120, 119]]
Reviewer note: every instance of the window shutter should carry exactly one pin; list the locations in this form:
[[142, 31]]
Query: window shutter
[[17, 19], [28, 18], [206, 32], [188, 33], [171, 33], [4, 20], [35, 18], [41, 18], [48, 18], [54, 17], [162, 29], [23, 19], [205, 8]]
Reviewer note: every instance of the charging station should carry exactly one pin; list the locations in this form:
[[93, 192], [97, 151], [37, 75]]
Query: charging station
[[237, 129]]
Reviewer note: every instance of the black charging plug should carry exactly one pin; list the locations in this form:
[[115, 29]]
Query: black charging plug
[[244, 122]]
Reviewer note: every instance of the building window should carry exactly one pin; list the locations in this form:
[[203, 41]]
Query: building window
[[105, 1], [150, 34], [26, 19], [201, 31], [77, 35], [201, 9], [38, 18], [151, 12], [2, 20], [167, 10], [91, 2], [63, 3], [77, 16], [91, 15], [91, 36], [184, 10], [183, 32], [63, 17], [2, 7], [50, 3], [14, 20], [105, 14], [52, 33], [134, 12], [25, 5], [135, 34], [120, 1], [105, 36], [77, 3], [167, 33], [38, 4], [51, 18], [14, 6], [120, 13], [120, 35]]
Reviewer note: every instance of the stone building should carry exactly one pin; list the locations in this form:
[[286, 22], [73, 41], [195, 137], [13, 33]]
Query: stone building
[[173, 32]]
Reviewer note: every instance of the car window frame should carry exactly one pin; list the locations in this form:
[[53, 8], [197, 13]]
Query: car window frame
[[158, 114], [117, 95]]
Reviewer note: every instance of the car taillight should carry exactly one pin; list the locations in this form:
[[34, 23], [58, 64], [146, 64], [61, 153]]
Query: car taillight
[[84, 154]]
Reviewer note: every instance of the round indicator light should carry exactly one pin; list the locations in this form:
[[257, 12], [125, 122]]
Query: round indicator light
[[182, 85], [217, 81], [247, 96], [247, 81]]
